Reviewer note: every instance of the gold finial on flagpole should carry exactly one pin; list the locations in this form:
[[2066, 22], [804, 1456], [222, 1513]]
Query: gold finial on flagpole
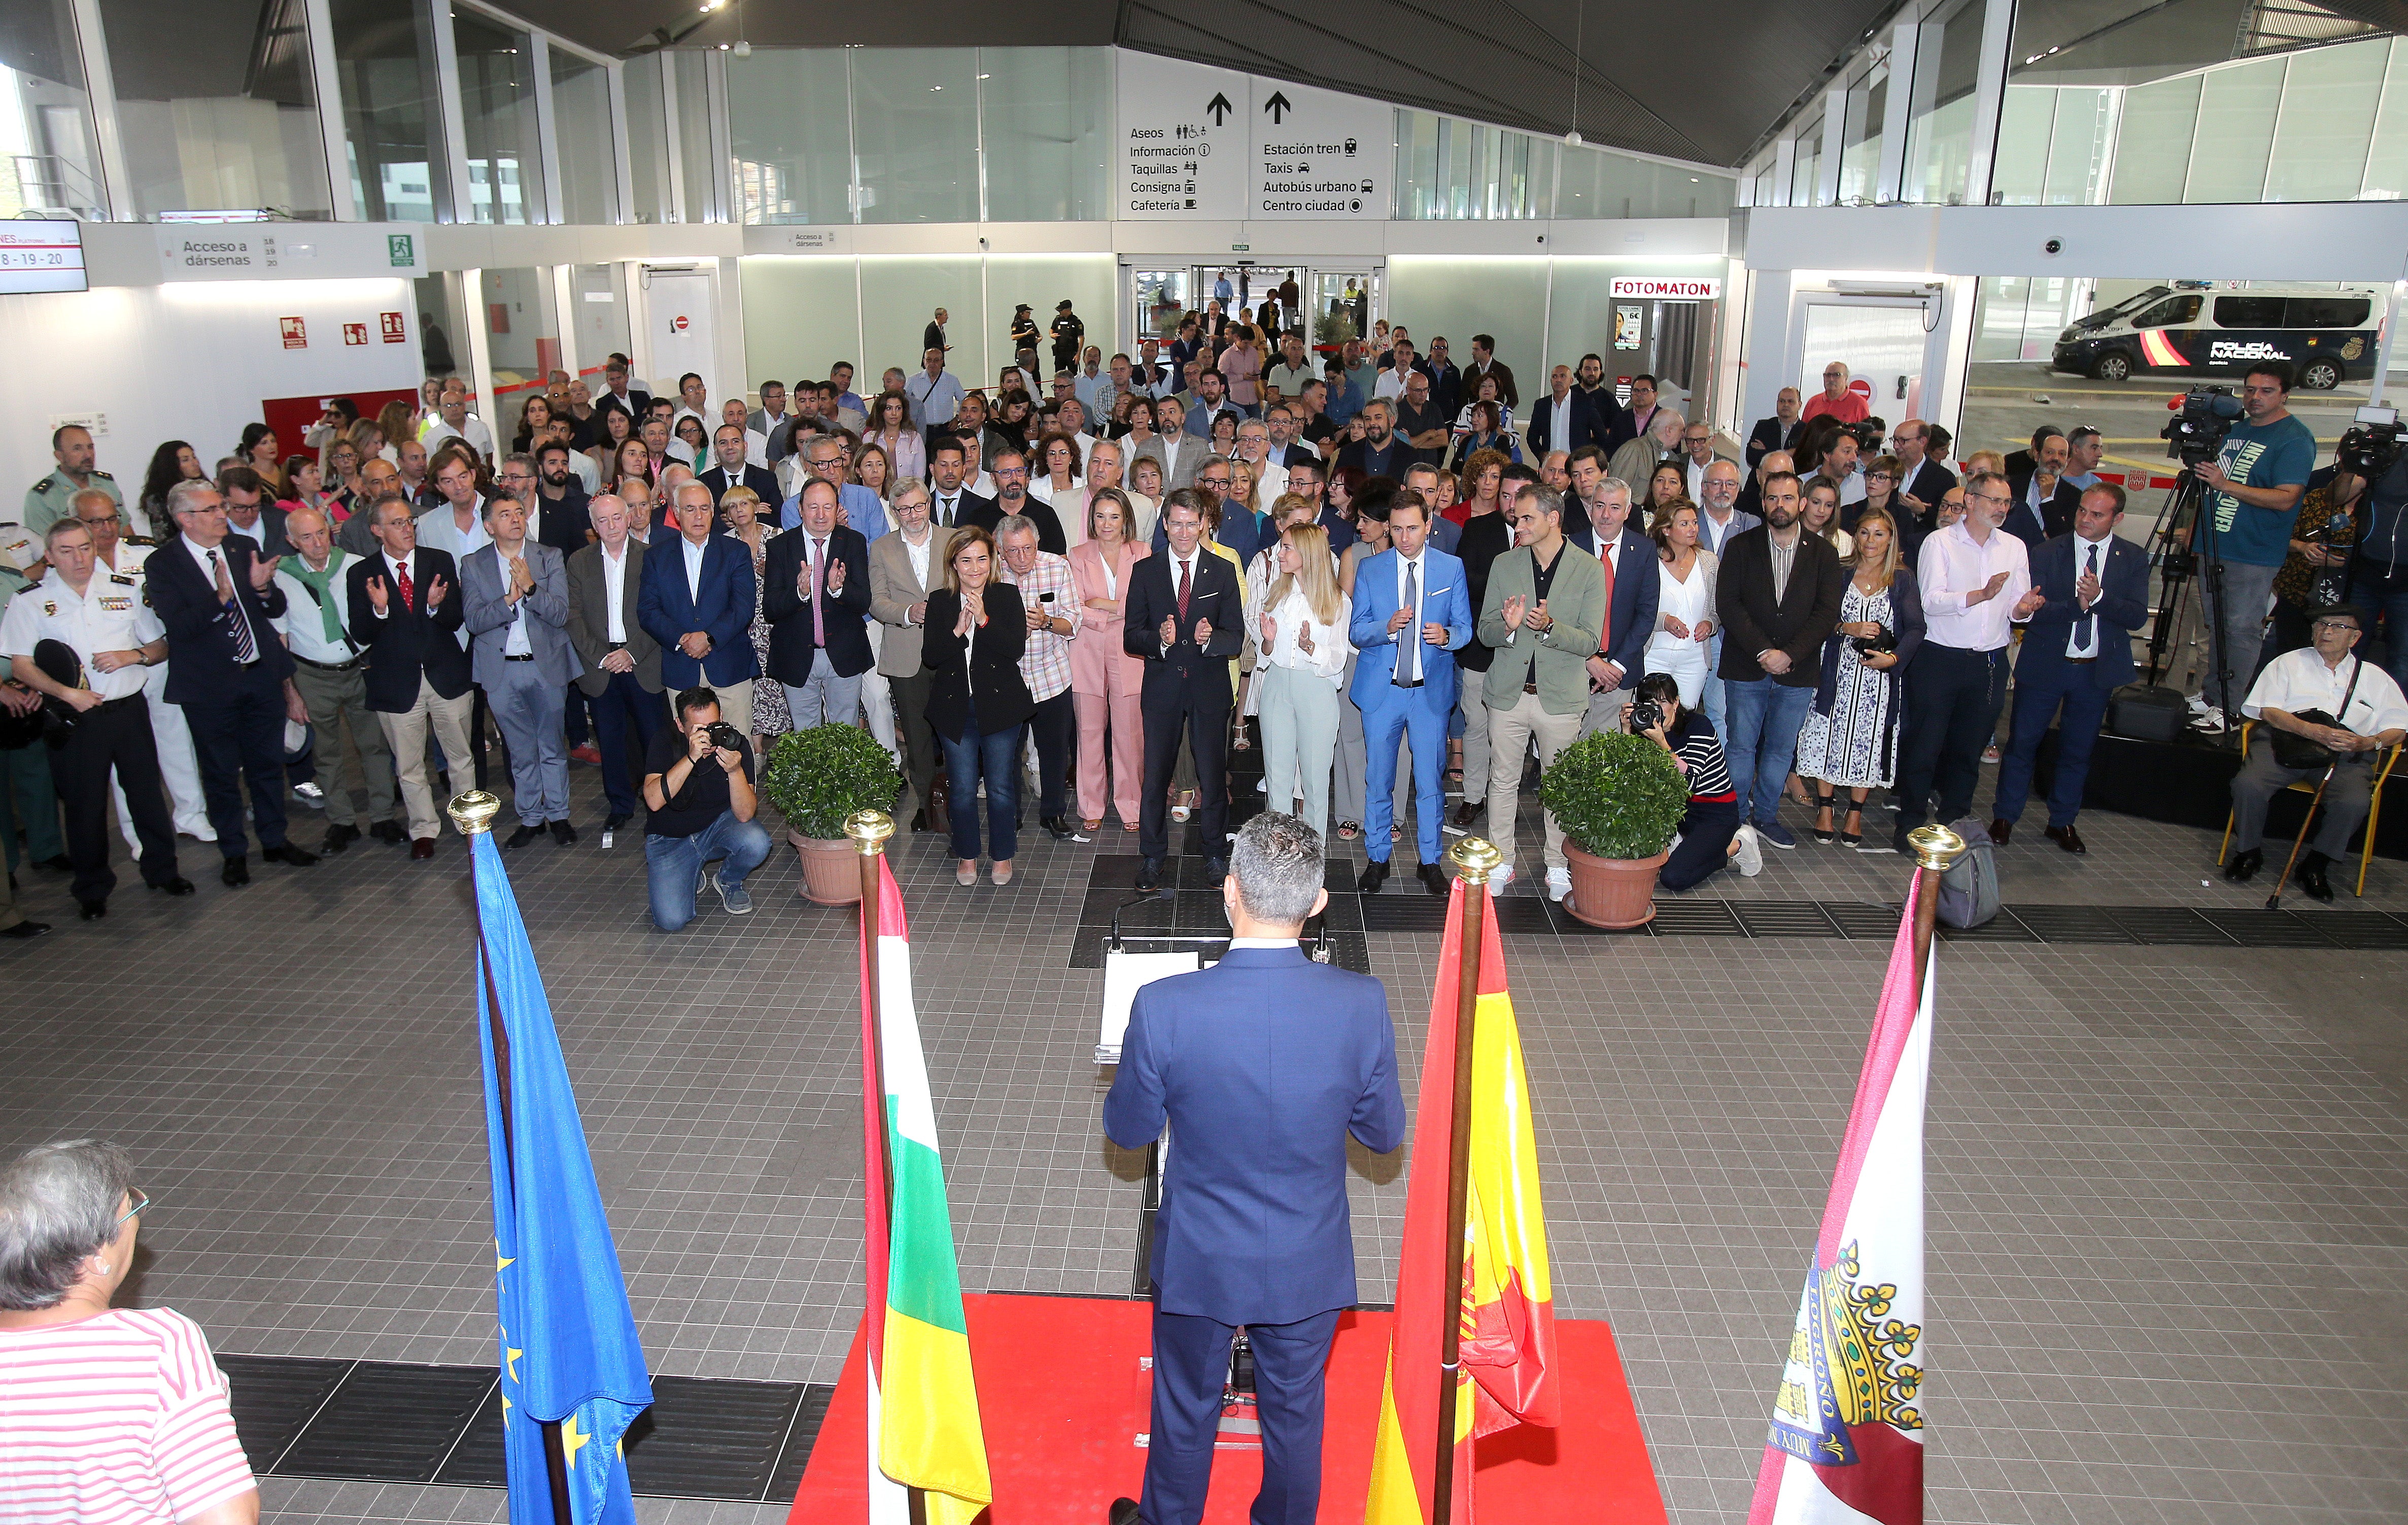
[[1935, 847], [1475, 858], [473, 813], [869, 830]]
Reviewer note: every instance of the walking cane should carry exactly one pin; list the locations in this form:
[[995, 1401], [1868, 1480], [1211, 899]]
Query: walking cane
[[2274, 901]]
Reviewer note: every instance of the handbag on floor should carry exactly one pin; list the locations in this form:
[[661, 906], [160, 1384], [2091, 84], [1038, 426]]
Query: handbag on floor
[[2147, 712], [1968, 890]]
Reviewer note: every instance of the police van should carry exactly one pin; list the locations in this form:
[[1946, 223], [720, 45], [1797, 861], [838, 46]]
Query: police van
[[2191, 328]]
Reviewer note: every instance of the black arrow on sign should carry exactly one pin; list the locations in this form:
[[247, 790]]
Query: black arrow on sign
[[1279, 105], [1218, 109]]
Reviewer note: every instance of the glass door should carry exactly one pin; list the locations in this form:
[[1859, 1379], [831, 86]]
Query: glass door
[[1885, 343], [1157, 299], [1343, 303]]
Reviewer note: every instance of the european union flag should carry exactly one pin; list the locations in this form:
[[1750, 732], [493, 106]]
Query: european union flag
[[569, 1351]]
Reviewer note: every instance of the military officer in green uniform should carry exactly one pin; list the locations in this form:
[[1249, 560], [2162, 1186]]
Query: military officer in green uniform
[[53, 498]]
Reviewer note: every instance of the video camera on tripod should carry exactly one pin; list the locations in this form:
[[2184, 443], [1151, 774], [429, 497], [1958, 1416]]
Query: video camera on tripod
[[2202, 417], [2372, 446]]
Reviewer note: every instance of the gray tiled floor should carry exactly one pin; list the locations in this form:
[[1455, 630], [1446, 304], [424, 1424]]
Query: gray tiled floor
[[2168, 1186]]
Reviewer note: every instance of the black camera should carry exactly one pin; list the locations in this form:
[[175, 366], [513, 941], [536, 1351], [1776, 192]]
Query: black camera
[[1868, 646], [1868, 434], [2372, 446], [2196, 433], [1646, 715], [725, 737]]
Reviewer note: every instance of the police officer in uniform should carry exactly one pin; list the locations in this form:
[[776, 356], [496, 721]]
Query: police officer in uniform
[[53, 498], [111, 638]]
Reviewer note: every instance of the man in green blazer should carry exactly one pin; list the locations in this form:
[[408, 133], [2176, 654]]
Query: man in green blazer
[[1543, 609]]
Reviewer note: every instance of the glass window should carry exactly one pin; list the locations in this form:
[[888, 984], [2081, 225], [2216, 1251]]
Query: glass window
[[700, 186], [522, 338], [587, 148], [1047, 130], [2327, 312], [1805, 167], [2330, 96], [2248, 312], [648, 137], [791, 138], [439, 322], [1595, 183], [2170, 313], [900, 292], [1940, 120], [498, 112], [915, 133], [2386, 159], [2153, 142], [2236, 131], [382, 59], [48, 163], [2019, 174], [802, 314], [1860, 139], [600, 319], [1417, 181], [218, 117]]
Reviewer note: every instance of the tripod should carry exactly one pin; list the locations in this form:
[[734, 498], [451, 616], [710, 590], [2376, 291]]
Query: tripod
[[2179, 567]]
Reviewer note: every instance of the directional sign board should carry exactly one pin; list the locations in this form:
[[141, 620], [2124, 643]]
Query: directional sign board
[[1213, 143]]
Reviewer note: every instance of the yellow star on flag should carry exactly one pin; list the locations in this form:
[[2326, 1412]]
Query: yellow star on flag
[[512, 1360], [571, 1442]]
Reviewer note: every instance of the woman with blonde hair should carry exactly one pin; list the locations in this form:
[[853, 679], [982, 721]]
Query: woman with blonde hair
[[1820, 514], [748, 525], [1849, 739], [1302, 634], [1106, 681], [1685, 602], [1146, 489]]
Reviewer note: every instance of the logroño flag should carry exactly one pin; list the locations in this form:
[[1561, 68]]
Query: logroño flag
[[1846, 1446], [1508, 1342], [924, 1412]]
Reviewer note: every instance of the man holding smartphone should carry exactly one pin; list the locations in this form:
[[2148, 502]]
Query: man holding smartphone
[[1051, 604]]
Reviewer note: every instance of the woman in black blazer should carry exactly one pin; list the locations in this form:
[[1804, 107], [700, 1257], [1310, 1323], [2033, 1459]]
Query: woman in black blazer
[[977, 703]]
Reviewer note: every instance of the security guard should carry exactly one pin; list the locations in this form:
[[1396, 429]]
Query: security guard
[[111, 638], [53, 498]]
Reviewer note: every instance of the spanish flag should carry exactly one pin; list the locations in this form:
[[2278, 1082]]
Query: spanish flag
[[924, 1412], [1507, 1376]]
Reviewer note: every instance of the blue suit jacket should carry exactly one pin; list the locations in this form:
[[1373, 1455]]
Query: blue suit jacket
[[1632, 619], [724, 612], [2123, 605], [1446, 598], [1262, 1066], [1588, 425]]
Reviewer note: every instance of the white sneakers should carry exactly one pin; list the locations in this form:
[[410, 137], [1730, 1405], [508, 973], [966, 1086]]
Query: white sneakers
[[1559, 883], [1751, 852], [2208, 722], [1498, 880]]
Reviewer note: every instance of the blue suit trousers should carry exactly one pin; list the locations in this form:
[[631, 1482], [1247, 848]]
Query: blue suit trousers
[[1402, 714], [1190, 1362], [2037, 695]]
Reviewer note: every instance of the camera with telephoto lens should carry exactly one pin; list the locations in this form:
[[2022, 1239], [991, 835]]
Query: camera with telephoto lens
[[725, 737], [2372, 446], [1646, 715], [1868, 434], [2196, 433]]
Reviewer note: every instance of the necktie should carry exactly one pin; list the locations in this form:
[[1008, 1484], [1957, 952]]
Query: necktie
[[2085, 628], [819, 586], [246, 649], [1182, 593], [1605, 559], [945, 517], [1408, 668], [401, 574]]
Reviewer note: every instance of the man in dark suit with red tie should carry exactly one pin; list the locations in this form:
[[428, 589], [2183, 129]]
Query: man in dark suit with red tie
[[408, 611], [1186, 616], [226, 667]]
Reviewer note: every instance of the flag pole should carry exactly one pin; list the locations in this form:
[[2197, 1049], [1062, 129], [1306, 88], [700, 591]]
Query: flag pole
[[1935, 848], [1474, 860], [472, 815], [869, 831]]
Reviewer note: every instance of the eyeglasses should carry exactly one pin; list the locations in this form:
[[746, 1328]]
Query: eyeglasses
[[1990, 497], [1879, 477], [108, 518], [142, 1203], [2350, 625]]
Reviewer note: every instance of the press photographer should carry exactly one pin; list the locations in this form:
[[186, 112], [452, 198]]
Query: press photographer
[[1710, 829], [699, 788], [2372, 470]]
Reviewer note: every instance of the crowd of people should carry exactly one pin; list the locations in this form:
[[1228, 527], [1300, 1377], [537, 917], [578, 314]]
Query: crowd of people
[[1397, 575]]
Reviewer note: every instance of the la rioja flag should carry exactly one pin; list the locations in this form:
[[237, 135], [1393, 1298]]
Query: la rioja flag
[[1846, 1445]]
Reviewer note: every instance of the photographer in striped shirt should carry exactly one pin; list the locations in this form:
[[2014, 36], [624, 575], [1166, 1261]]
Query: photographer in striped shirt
[[1709, 835]]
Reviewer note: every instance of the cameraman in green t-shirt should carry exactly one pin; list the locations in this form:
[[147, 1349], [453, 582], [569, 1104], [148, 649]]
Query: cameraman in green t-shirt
[[2253, 487]]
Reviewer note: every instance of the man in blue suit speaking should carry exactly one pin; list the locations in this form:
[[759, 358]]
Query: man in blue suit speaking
[[1413, 612], [1262, 1066]]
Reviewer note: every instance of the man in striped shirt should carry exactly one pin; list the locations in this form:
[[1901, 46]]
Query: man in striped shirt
[[1051, 602], [108, 1416]]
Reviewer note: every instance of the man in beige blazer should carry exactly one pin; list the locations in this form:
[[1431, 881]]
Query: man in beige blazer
[[1542, 616], [623, 662], [903, 566]]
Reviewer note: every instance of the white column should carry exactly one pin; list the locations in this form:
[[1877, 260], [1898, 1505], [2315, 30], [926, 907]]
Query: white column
[[1835, 137], [453, 146], [480, 352], [564, 307], [1989, 98], [723, 146], [674, 210], [547, 131], [1890, 180], [100, 94], [327, 80], [622, 161]]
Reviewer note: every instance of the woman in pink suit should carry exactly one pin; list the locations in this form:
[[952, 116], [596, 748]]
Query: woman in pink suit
[[1104, 677]]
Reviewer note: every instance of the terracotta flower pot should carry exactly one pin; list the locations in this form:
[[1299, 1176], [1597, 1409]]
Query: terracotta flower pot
[[831, 869], [1613, 893]]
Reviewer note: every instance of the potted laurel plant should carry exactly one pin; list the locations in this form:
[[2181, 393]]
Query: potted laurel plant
[[816, 777], [1619, 799]]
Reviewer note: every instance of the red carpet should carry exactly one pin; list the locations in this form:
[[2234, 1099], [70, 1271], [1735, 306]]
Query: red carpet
[[1063, 1398]]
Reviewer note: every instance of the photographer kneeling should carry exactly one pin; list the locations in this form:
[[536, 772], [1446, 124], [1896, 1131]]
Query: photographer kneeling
[[1710, 832], [699, 788]]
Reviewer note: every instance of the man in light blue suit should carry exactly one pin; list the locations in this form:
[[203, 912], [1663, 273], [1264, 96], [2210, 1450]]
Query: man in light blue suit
[[1261, 1065], [1413, 612], [515, 597], [697, 601]]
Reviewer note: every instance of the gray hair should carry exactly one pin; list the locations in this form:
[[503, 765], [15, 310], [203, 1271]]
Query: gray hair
[[58, 1205], [1615, 484], [62, 525], [180, 496], [1278, 862], [1014, 525], [1547, 499]]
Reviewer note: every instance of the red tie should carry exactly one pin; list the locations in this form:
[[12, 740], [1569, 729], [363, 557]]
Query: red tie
[[1183, 591], [1605, 559], [401, 574]]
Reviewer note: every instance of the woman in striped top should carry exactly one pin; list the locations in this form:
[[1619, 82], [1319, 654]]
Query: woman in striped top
[[1710, 832], [108, 1416]]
